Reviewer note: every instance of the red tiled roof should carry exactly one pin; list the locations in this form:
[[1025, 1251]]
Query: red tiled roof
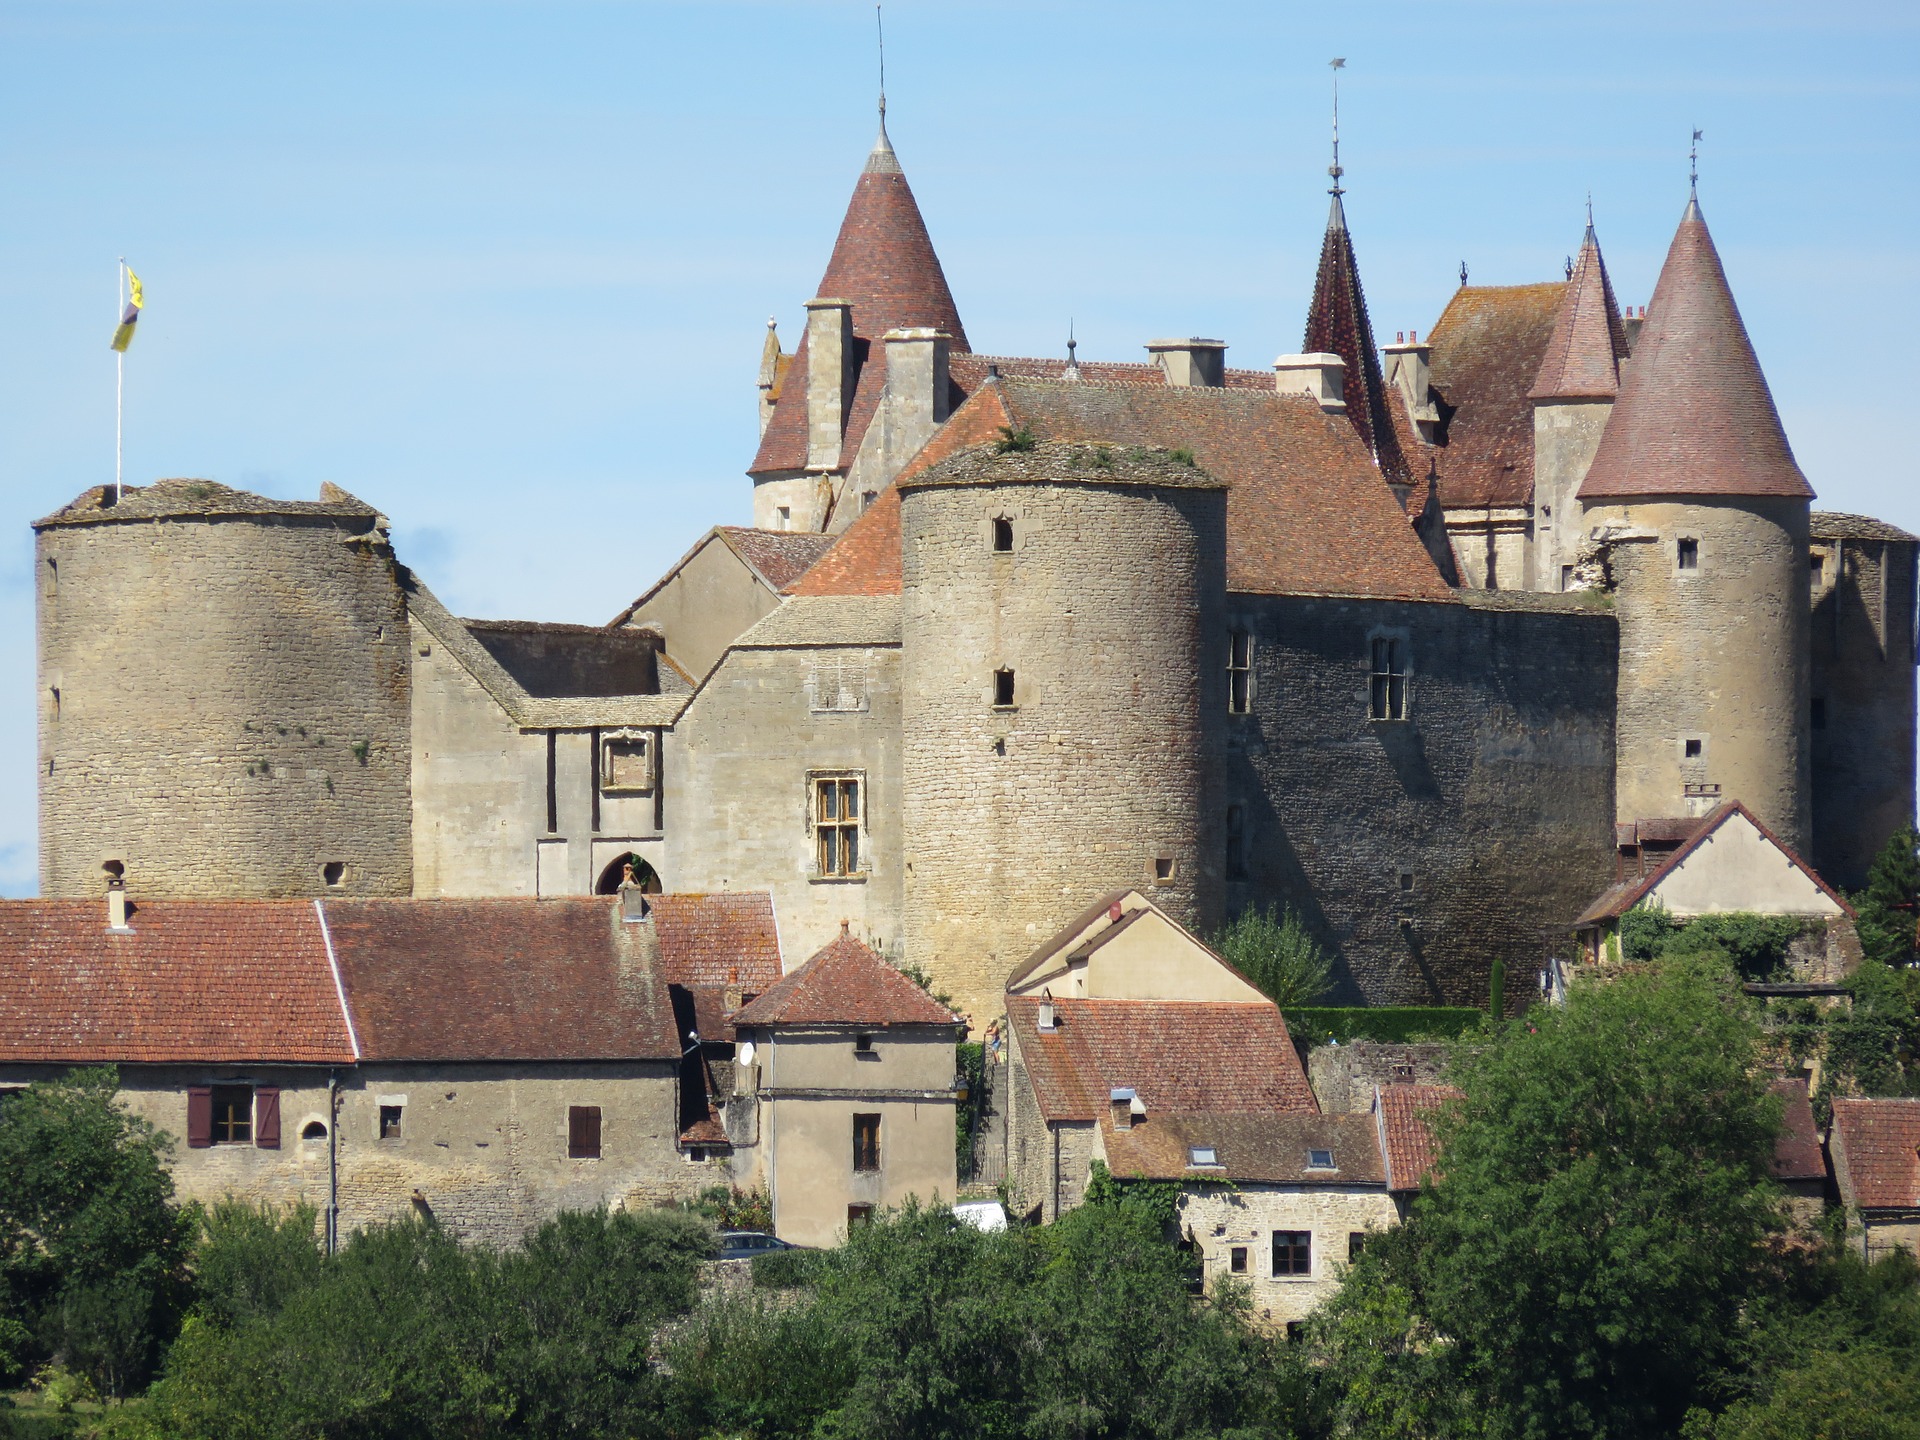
[[1487, 348], [884, 263], [1797, 1154], [1695, 416], [705, 1132], [1180, 1056], [1877, 1152], [196, 981], [970, 372], [1403, 1113], [499, 980], [1260, 1149], [1583, 355], [1337, 324], [845, 984], [779, 557], [718, 939]]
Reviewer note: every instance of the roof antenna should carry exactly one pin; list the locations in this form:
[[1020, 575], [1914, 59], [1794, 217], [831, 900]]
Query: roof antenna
[[1693, 163], [1334, 169]]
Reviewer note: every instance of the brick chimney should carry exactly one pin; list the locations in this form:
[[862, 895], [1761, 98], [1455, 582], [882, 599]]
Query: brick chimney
[[830, 367], [1191, 362], [1321, 375]]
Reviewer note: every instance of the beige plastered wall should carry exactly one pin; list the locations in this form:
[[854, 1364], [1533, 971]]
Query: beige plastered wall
[[1737, 868], [704, 606], [1220, 1218]]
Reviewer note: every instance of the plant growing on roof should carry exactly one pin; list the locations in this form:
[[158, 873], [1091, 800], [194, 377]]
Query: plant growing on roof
[[1011, 439]]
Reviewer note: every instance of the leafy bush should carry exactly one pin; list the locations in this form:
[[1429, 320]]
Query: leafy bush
[[1274, 950], [731, 1209], [1886, 911], [1390, 1024], [785, 1269], [1756, 946]]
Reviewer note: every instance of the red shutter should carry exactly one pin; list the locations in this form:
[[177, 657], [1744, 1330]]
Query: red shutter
[[266, 1117], [199, 1116]]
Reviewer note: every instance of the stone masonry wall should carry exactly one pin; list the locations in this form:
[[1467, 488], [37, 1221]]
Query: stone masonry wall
[[1344, 1076], [223, 707], [1422, 849], [1107, 611], [1221, 1219]]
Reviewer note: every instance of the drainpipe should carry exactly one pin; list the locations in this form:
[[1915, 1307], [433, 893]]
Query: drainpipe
[[333, 1161]]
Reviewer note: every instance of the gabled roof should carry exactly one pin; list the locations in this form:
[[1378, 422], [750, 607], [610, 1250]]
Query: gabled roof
[[845, 984], [776, 557], [1797, 1154], [1180, 1056], [1695, 416], [1876, 1153], [1583, 355], [1487, 349], [1617, 899], [557, 661], [1272, 1149], [1404, 1116], [511, 979], [1337, 324], [198, 981], [884, 264]]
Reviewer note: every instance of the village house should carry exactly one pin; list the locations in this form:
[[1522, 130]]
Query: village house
[[1875, 1147]]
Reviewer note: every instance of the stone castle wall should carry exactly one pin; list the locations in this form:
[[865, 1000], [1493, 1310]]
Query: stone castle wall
[[223, 706], [1107, 611], [1716, 654]]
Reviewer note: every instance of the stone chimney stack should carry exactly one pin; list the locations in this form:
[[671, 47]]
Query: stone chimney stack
[[1323, 376], [772, 362], [117, 910], [830, 369], [918, 390], [1191, 362], [1410, 371]]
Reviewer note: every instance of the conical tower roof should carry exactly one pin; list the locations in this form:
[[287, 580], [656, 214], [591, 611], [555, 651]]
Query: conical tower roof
[[1337, 324], [884, 265], [1694, 415], [1583, 355]]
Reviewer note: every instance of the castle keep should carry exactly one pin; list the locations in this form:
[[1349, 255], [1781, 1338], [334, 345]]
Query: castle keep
[[1410, 640]]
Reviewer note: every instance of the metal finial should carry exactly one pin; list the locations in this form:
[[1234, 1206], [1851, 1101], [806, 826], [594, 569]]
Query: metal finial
[[1071, 342], [880, 33], [1336, 65], [1569, 267], [1589, 209], [1693, 161], [1463, 274]]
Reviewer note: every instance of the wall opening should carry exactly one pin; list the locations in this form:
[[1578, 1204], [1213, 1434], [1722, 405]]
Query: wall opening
[[1693, 749], [390, 1118], [615, 875], [1687, 554], [1003, 688], [334, 872], [314, 1130], [1002, 533]]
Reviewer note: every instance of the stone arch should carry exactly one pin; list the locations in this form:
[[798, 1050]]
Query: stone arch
[[645, 876]]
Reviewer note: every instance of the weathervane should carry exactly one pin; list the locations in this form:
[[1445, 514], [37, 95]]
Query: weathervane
[[1334, 169], [1693, 161], [880, 33]]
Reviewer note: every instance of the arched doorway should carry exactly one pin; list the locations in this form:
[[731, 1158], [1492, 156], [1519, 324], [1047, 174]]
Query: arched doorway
[[644, 876]]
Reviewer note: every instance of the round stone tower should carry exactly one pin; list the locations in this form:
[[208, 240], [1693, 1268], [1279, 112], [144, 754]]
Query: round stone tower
[[1703, 513], [224, 705], [1061, 610]]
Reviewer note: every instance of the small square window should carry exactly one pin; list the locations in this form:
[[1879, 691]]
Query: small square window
[[390, 1117], [1237, 1260], [1296, 1331], [1687, 554], [1164, 869], [583, 1132], [1319, 1159], [334, 872], [1406, 880], [863, 1044], [858, 1215], [696, 1154], [1003, 689], [1693, 749]]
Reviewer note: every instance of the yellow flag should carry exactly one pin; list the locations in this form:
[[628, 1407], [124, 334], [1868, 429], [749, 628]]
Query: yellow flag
[[136, 298]]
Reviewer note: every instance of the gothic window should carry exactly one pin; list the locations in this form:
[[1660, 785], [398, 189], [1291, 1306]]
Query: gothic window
[[1002, 533], [1239, 673], [836, 825], [1388, 698]]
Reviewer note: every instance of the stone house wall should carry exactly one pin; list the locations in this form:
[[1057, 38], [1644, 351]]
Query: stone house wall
[[1344, 1076], [1221, 1219]]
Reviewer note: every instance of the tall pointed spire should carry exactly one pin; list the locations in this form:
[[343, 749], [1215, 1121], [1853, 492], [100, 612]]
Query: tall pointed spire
[[1337, 324], [1583, 355], [1695, 416]]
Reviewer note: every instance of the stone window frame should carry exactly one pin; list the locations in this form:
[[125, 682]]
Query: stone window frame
[[1388, 684], [1016, 525], [1679, 554], [1694, 737], [1299, 1252], [627, 736], [1010, 688], [816, 779]]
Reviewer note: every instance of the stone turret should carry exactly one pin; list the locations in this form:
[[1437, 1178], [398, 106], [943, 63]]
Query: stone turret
[[1060, 621], [1572, 396], [225, 696], [1702, 509]]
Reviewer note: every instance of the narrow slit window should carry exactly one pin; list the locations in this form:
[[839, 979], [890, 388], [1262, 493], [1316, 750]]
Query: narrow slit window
[[1388, 698], [1003, 688], [1239, 673], [1688, 554], [1003, 534], [836, 826], [866, 1142]]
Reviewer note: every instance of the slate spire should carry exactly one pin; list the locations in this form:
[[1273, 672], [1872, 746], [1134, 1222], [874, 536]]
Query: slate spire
[[1583, 355], [1695, 416], [1337, 324]]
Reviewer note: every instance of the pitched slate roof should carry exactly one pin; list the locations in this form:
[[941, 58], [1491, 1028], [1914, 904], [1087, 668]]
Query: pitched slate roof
[[1259, 1148], [512, 979], [845, 983], [1797, 1154], [1583, 355], [1877, 1152], [197, 981], [1337, 324], [1403, 1114], [826, 620], [1180, 1056], [884, 264], [718, 939], [1487, 349], [1695, 416]]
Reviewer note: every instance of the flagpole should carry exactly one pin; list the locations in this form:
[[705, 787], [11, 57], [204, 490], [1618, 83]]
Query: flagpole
[[119, 383]]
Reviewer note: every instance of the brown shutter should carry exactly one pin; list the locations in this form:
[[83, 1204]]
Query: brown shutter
[[583, 1132], [266, 1117], [199, 1116]]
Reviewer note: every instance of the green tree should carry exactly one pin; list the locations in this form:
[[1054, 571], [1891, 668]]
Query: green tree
[[93, 1249], [1274, 950], [1885, 911], [251, 1259]]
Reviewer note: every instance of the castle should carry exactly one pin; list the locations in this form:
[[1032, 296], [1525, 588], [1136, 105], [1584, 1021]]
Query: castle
[[1413, 640]]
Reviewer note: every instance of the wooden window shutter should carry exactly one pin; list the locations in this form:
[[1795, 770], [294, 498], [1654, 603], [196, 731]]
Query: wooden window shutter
[[583, 1132], [199, 1116], [266, 1117]]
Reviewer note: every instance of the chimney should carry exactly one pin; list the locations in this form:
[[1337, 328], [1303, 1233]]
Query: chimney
[[917, 388], [1049, 1021], [1410, 371], [772, 362], [1320, 375], [117, 910], [1191, 362], [1123, 1099], [830, 347]]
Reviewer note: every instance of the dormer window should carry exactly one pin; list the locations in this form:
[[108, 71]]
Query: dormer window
[[1320, 1159]]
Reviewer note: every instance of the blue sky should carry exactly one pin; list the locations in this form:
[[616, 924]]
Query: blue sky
[[503, 269]]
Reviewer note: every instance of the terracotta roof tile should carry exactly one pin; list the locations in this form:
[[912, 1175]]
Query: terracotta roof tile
[[1878, 1152], [1583, 355], [1403, 1113], [1487, 349], [196, 981], [1259, 1148], [1695, 416], [1337, 324], [779, 557], [500, 980], [1797, 1154], [1181, 1057], [718, 939], [845, 984]]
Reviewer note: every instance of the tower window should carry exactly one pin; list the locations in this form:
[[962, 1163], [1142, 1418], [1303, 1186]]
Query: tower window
[[1236, 842], [1388, 698], [1687, 555], [786, 517], [836, 825], [1164, 869], [54, 696], [1693, 749], [334, 872], [1003, 688], [1002, 533], [1239, 672]]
